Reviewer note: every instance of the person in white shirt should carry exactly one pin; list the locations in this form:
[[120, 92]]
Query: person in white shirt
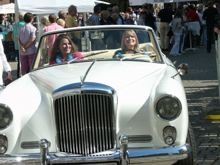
[[4, 63], [141, 20]]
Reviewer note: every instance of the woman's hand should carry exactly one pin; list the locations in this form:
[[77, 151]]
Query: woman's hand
[[9, 76], [216, 30]]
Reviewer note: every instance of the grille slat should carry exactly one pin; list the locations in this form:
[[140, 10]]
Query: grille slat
[[85, 123]]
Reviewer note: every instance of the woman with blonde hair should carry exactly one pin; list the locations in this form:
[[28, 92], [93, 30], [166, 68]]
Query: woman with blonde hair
[[129, 44], [61, 22], [130, 41]]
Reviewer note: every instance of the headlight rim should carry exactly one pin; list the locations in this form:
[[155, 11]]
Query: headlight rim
[[173, 97], [6, 106]]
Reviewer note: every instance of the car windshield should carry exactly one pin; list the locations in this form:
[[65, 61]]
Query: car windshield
[[69, 46]]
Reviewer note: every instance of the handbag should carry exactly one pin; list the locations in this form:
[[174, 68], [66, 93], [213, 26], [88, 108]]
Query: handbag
[[170, 32]]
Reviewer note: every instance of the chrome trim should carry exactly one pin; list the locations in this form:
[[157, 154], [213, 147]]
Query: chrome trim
[[78, 95], [84, 77], [137, 156], [87, 87], [124, 155], [155, 106], [44, 150], [30, 145], [139, 138]]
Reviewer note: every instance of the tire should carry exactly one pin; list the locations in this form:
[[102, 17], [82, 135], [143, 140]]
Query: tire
[[192, 156]]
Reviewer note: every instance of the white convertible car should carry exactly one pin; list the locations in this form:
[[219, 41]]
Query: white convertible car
[[116, 100]]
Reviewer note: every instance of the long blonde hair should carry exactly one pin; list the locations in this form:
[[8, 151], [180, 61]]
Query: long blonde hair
[[123, 46]]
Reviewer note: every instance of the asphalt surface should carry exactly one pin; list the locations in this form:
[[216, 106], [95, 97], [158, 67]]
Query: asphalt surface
[[201, 86]]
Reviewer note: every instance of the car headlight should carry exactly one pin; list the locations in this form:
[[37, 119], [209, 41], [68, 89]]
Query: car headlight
[[6, 116], [168, 107]]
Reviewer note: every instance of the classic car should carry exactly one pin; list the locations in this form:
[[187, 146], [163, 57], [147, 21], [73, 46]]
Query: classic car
[[115, 103]]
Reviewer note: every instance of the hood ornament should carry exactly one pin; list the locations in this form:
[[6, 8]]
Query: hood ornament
[[83, 78]]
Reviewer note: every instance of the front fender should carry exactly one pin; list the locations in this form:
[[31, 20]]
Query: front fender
[[29, 106]]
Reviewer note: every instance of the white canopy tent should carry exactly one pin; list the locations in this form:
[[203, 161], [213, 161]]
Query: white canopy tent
[[47, 7], [7, 8]]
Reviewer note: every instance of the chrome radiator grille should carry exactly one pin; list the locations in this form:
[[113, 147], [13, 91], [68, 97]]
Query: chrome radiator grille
[[85, 123]]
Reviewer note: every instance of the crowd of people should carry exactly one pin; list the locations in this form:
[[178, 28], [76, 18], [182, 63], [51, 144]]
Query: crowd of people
[[172, 27]]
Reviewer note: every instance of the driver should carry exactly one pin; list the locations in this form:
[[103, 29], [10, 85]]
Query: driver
[[64, 50], [129, 44]]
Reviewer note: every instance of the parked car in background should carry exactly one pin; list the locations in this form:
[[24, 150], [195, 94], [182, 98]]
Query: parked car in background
[[117, 100], [3, 31]]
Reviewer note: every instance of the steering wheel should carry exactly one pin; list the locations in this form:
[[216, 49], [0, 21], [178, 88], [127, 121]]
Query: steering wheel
[[116, 55]]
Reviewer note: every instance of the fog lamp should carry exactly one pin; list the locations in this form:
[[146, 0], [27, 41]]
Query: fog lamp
[[3, 149], [169, 135], [3, 144], [169, 140]]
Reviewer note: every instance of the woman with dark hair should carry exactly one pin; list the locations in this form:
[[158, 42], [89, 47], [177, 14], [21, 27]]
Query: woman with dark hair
[[64, 50], [177, 30]]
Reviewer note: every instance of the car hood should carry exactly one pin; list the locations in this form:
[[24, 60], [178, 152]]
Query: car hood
[[116, 74]]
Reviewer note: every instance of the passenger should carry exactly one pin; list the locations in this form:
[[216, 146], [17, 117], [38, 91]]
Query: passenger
[[129, 43], [64, 50]]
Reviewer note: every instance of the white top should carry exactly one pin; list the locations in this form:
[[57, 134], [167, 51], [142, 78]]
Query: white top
[[3, 61], [194, 27]]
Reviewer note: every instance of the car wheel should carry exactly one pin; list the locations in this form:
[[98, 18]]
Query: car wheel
[[192, 156]]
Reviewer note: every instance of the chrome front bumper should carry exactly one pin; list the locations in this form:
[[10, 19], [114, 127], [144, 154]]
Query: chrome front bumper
[[122, 156]]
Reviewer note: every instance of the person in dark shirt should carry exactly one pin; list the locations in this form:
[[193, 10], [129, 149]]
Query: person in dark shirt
[[192, 15], [165, 16], [209, 15], [128, 20], [149, 20]]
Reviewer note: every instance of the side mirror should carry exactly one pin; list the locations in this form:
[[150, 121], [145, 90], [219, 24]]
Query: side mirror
[[183, 69]]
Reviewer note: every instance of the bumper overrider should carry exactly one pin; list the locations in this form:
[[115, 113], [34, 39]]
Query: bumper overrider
[[124, 156]]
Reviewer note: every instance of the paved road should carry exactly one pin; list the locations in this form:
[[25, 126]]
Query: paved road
[[201, 87]]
